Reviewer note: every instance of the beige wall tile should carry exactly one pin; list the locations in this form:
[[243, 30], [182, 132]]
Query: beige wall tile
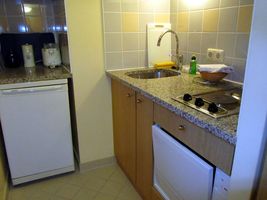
[[13, 8], [142, 41], [144, 19], [3, 24], [208, 41], [142, 59], [228, 19], [183, 40], [162, 6], [195, 23], [130, 59], [114, 60], [226, 41], [212, 4], [196, 6], [246, 2], [130, 41], [146, 6], [35, 9], [113, 42], [2, 8], [183, 21], [112, 5], [173, 21], [229, 3], [244, 19], [174, 6], [194, 42], [130, 22], [211, 20], [182, 5], [112, 22], [35, 24], [162, 18], [239, 70], [242, 46], [129, 5]]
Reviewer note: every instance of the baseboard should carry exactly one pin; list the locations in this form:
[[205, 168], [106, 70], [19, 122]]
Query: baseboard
[[4, 193], [6, 189], [97, 164]]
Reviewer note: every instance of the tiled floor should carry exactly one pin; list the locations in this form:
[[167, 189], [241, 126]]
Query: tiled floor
[[107, 183]]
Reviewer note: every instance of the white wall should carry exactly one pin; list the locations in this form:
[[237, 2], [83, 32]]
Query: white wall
[[91, 86], [252, 120]]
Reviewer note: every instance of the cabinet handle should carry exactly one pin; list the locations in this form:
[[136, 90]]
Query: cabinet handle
[[128, 95], [139, 101], [181, 128]]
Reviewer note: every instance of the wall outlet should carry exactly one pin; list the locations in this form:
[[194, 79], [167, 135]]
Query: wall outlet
[[216, 55]]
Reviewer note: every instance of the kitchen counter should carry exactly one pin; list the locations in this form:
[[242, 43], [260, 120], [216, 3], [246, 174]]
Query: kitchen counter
[[32, 74], [162, 90]]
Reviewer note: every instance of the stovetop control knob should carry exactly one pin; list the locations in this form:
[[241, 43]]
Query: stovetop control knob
[[213, 108], [199, 102], [187, 97]]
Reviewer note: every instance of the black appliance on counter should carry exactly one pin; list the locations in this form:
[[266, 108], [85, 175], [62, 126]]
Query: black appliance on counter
[[10, 46]]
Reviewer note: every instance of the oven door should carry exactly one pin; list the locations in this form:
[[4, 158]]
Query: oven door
[[178, 172]]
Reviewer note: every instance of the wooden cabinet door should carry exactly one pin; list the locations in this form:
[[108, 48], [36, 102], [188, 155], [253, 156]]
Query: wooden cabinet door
[[144, 155], [124, 127]]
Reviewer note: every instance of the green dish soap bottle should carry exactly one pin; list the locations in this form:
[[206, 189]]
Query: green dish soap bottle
[[193, 65]]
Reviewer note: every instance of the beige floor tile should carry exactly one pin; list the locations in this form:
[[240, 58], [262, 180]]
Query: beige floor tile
[[111, 188], [107, 183], [85, 194], [94, 183], [57, 198], [13, 195], [101, 196], [104, 172], [76, 179], [129, 193], [67, 191], [119, 177], [50, 186]]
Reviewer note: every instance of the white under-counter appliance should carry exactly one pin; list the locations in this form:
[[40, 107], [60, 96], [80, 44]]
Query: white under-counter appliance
[[179, 174], [35, 120]]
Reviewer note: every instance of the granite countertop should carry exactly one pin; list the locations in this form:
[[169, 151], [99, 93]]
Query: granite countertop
[[32, 74], [162, 90]]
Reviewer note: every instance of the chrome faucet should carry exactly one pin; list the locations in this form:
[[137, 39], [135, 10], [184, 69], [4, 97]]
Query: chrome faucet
[[179, 58]]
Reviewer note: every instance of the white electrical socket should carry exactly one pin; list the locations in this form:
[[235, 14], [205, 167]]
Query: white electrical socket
[[216, 55]]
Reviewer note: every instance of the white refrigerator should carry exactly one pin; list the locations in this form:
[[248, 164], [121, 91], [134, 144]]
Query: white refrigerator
[[35, 120]]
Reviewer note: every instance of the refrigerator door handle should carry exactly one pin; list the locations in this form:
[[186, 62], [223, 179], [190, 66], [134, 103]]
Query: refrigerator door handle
[[32, 90]]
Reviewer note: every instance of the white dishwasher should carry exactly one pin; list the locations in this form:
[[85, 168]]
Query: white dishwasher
[[35, 120], [179, 174]]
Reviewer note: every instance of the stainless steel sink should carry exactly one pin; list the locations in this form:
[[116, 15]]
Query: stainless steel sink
[[153, 73]]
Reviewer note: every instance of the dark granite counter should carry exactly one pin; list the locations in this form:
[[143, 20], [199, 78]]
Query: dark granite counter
[[162, 90], [32, 74]]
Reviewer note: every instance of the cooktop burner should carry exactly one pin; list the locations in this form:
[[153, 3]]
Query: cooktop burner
[[215, 104]]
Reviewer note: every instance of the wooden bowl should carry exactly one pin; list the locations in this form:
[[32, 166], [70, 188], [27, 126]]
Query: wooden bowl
[[213, 77]]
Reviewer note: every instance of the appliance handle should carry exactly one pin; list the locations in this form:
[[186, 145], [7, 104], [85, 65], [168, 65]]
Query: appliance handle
[[32, 90]]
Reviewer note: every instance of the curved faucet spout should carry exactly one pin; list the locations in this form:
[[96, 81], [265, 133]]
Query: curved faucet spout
[[178, 57]]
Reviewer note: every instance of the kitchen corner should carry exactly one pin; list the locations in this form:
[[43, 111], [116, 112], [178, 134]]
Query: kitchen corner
[[128, 114]]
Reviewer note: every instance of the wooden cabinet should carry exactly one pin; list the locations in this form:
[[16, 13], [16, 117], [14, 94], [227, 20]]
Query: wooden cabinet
[[132, 122], [124, 127], [144, 154], [133, 116]]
